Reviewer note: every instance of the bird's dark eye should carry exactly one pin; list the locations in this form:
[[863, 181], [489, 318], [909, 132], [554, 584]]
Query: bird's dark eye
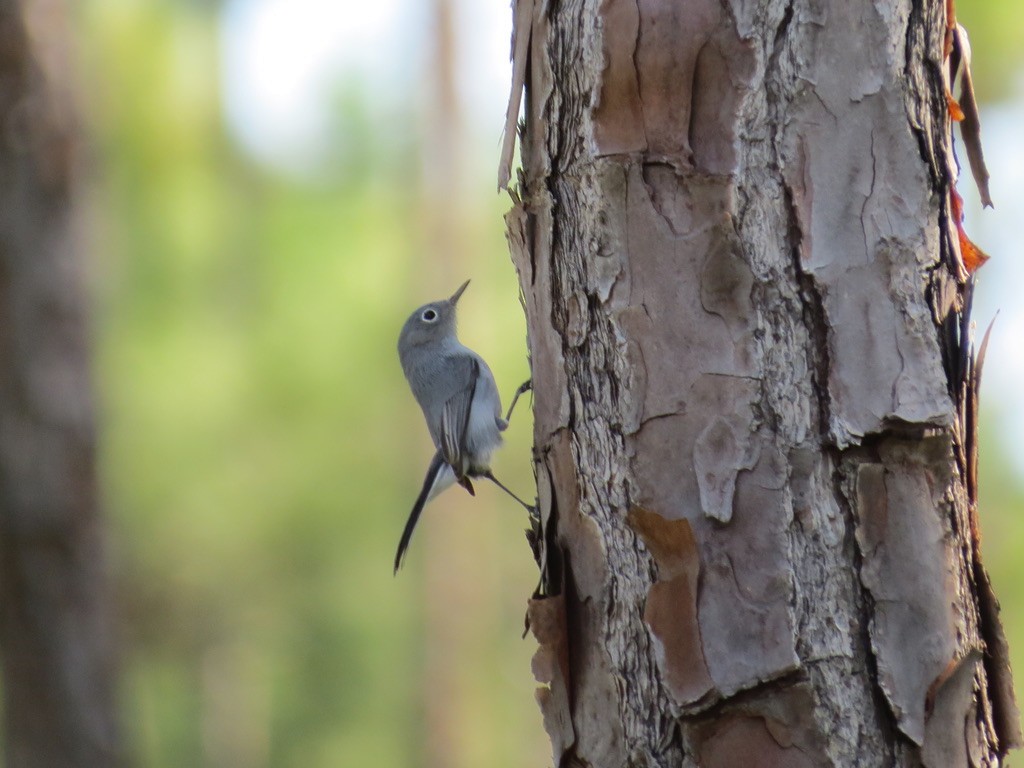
[[429, 315]]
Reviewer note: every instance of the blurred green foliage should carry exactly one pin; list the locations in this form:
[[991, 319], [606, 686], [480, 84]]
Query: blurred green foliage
[[996, 32], [260, 449]]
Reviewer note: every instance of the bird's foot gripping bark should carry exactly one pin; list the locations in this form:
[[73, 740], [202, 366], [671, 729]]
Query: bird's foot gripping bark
[[525, 387]]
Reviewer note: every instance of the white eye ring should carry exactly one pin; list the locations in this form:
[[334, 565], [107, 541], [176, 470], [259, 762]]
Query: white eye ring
[[429, 316]]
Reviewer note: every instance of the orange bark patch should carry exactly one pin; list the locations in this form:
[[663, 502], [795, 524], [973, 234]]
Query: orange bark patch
[[973, 257], [671, 608], [955, 112]]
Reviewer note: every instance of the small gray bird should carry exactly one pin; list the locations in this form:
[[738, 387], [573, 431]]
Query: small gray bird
[[460, 401]]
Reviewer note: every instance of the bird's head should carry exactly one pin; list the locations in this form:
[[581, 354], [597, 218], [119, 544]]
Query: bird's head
[[431, 323]]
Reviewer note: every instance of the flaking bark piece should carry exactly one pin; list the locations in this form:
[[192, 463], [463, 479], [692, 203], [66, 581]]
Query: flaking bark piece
[[528, 234], [971, 438], [719, 454], [746, 617], [1006, 713], [670, 611], [970, 126], [551, 668], [771, 727], [749, 741], [522, 28], [971, 256], [906, 551], [948, 726], [955, 112], [618, 116]]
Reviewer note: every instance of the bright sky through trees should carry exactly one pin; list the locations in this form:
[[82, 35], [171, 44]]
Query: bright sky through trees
[[285, 60]]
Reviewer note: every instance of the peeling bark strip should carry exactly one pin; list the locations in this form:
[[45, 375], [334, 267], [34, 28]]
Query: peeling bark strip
[[753, 423], [55, 627]]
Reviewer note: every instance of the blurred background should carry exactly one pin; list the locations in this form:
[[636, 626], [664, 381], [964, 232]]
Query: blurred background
[[274, 184]]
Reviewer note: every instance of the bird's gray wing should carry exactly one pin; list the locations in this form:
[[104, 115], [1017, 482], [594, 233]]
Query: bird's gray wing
[[455, 413]]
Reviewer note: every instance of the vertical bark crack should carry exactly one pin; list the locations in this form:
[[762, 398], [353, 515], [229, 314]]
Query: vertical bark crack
[[863, 224], [813, 316]]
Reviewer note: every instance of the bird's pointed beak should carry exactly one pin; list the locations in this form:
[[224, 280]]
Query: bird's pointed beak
[[455, 296]]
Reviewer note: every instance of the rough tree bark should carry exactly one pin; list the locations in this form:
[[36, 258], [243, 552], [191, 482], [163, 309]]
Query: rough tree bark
[[755, 393], [55, 629]]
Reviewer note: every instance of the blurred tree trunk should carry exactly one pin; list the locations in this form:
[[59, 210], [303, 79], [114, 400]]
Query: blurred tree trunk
[[55, 629], [755, 395], [447, 642]]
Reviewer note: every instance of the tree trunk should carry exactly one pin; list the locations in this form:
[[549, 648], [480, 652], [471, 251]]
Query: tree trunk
[[755, 394], [55, 629]]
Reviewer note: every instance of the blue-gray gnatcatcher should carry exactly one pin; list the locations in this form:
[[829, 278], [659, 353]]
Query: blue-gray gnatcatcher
[[460, 401]]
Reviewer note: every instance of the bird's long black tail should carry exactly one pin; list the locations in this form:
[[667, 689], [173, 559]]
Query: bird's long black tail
[[436, 465]]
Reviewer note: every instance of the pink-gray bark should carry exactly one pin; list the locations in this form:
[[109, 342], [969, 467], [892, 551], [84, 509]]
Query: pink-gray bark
[[55, 629], [755, 398]]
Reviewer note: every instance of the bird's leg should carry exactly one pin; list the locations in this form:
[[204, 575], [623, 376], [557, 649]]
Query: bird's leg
[[526, 386], [465, 483], [490, 476]]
